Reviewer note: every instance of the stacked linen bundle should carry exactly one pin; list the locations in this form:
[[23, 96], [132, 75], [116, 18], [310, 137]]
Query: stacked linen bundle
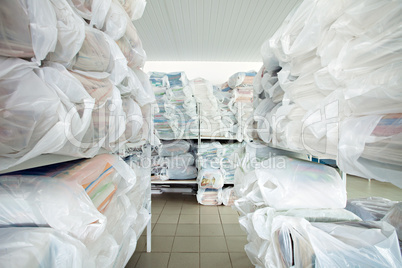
[[223, 156], [210, 183], [242, 89], [98, 196], [210, 116], [177, 116], [335, 77], [225, 100], [174, 161], [86, 97]]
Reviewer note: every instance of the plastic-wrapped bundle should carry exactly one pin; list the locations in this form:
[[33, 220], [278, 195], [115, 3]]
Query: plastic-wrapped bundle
[[296, 242], [370, 208], [210, 112], [394, 217], [116, 21], [134, 120], [159, 79], [138, 84], [108, 122], [28, 130], [70, 33], [42, 247], [93, 10], [44, 201], [177, 79], [182, 173], [182, 160], [210, 178], [79, 110], [174, 148], [287, 183], [228, 196], [134, 8], [209, 197], [27, 29], [131, 46], [99, 53], [370, 146]]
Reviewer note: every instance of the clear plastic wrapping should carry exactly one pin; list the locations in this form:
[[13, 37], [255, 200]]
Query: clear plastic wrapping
[[287, 183], [370, 208], [42, 247], [28, 28]]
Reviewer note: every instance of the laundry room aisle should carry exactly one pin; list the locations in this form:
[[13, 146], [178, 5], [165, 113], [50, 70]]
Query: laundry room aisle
[[187, 234]]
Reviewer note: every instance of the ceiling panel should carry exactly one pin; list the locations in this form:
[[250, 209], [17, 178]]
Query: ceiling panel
[[209, 30]]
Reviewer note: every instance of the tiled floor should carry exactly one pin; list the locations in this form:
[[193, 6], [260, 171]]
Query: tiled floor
[[188, 235]]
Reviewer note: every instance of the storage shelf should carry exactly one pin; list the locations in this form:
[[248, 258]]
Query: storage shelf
[[175, 182]]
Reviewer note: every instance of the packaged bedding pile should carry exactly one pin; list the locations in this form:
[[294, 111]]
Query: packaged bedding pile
[[71, 83], [240, 87], [174, 161], [176, 116], [90, 210], [330, 85], [293, 212], [217, 163], [78, 64]]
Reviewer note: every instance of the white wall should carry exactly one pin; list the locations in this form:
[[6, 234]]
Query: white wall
[[214, 71]]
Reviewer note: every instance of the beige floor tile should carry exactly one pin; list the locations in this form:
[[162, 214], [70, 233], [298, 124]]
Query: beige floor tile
[[171, 211], [213, 244], [133, 260], [162, 243], [153, 260], [188, 230], [212, 260], [156, 210], [211, 230], [210, 219], [189, 219], [165, 218], [184, 260], [162, 229], [236, 243], [359, 187], [190, 210], [228, 219], [233, 229], [141, 242], [186, 244], [224, 210], [240, 260], [154, 218], [212, 210]]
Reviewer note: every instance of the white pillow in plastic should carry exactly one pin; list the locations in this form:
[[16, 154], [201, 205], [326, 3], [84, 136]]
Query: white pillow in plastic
[[93, 10], [287, 183]]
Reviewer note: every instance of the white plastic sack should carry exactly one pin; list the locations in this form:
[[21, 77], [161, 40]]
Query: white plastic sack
[[93, 10], [174, 148], [134, 8], [28, 201], [134, 119], [138, 83], [42, 247], [298, 243], [28, 28], [131, 46], [287, 183], [370, 208], [394, 217], [208, 196], [70, 33], [116, 21], [182, 173], [78, 103], [28, 130], [228, 196]]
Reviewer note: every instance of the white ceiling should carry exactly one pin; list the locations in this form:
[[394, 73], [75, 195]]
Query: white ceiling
[[209, 30]]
